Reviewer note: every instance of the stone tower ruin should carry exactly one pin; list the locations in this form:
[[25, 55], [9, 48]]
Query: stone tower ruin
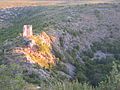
[[27, 31]]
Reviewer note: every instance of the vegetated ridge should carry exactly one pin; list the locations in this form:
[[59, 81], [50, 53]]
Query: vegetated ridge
[[87, 40]]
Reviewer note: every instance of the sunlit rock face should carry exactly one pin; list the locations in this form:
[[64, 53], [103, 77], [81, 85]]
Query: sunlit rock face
[[39, 50]]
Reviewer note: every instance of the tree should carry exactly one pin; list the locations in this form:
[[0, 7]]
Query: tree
[[113, 81]]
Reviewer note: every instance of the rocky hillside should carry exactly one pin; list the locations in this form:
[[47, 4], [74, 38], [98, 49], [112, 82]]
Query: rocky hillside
[[87, 39]]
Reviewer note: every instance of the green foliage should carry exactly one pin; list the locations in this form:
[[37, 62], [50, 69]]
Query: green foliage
[[11, 78], [68, 86], [112, 83], [32, 78], [39, 22], [94, 70]]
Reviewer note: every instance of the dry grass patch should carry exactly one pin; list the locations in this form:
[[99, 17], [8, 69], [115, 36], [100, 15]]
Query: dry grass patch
[[22, 3]]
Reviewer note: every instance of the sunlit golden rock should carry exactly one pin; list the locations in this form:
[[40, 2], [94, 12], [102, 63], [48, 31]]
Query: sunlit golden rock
[[39, 50]]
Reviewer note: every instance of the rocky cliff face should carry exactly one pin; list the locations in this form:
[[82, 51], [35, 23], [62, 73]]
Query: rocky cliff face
[[79, 28]]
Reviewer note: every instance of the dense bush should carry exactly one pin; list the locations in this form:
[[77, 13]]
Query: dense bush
[[11, 77], [95, 69], [112, 82]]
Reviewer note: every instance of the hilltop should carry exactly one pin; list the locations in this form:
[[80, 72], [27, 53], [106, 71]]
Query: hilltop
[[22, 3]]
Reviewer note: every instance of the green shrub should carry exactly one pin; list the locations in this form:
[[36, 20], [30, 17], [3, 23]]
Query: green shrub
[[11, 77]]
